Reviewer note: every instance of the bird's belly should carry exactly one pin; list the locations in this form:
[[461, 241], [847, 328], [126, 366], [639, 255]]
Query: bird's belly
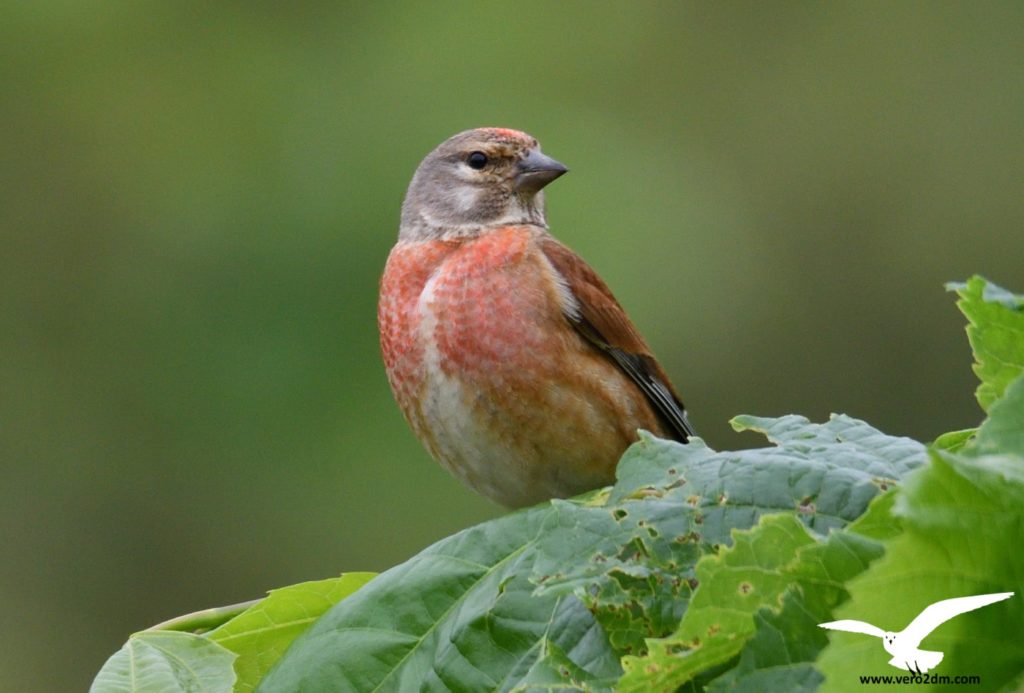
[[515, 442], [467, 436]]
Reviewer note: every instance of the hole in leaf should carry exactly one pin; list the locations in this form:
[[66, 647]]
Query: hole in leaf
[[691, 536], [619, 514], [746, 588]]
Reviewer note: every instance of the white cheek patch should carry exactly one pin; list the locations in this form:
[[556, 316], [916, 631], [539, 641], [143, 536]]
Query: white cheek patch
[[464, 197]]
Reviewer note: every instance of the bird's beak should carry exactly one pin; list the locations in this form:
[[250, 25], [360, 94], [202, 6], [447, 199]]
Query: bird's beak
[[536, 170]]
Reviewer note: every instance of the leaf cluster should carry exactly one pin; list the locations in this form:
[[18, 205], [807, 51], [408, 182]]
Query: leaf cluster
[[698, 570]]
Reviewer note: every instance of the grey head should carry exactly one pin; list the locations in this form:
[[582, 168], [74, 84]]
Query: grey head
[[478, 180]]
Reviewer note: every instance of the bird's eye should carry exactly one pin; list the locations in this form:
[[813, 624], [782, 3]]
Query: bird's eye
[[477, 160]]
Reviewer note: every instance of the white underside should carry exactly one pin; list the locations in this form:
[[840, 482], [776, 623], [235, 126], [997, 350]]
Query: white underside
[[464, 447]]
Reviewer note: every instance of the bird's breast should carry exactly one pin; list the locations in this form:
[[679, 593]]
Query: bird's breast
[[492, 306], [485, 310]]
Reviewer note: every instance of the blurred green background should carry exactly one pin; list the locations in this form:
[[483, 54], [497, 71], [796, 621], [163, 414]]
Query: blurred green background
[[198, 199]]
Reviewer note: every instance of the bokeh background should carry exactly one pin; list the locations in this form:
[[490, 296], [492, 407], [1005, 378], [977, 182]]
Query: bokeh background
[[197, 200]]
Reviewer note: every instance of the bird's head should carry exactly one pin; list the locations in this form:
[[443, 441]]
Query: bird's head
[[477, 180]]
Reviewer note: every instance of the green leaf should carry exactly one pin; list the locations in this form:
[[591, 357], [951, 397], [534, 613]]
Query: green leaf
[[555, 671], [962, 520], [1015, 685], [780, 656], [878, 522], [205, 620], [1003, 431], [552, 596], [996, 334], [762, 598], [954, 441], [701, 570], [166, 662], [786, 643], [720, 618], [460, 615], [261, 634], [631, 561]]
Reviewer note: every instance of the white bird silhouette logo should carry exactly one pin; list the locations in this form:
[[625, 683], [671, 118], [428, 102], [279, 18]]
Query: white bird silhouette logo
[[903, 645]]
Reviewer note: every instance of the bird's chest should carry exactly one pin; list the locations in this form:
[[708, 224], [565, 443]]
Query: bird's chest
[[488, 311], [466, 330], [478, 309]]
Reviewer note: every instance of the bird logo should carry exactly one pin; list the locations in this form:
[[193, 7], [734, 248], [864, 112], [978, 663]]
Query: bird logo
[[903, 646]]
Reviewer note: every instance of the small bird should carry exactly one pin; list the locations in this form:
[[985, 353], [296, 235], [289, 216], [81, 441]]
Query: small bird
[[508, 355], [903, 646]]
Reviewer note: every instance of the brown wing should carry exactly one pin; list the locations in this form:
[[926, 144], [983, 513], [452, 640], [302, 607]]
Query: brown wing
[[602, 321]]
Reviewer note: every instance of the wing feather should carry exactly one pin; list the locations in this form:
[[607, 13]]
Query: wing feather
[[594, 312]]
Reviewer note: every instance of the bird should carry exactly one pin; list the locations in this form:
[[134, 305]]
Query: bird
[[508, 355], [903, 646]]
